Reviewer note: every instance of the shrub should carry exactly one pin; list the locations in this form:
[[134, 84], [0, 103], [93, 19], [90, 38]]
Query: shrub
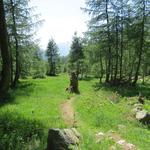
[[39, 75], [19, 133]]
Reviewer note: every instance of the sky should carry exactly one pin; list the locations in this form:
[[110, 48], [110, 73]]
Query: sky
[[61, 19]]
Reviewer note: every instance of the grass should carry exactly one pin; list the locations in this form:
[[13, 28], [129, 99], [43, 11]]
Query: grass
[[103, 109], [34, 107]]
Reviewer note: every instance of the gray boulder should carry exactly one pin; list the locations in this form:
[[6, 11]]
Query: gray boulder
[[63, 139], [143, 116]]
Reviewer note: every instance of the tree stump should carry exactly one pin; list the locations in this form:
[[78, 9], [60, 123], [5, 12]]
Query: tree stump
[[73, 87]]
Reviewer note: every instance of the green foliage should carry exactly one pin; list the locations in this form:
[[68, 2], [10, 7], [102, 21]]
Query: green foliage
[[52, 55], [38, 75], [38, 65], [95, 70], [103, 109], [117, 39], [18, 132], [76, 55], [63, 64], [22, 24], [76, 52]]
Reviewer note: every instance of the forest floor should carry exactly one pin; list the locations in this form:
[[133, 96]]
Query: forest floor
[[39, 104]]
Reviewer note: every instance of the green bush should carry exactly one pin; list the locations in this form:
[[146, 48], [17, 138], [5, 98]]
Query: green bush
[[19, 133], [39, 75], [95, 70]]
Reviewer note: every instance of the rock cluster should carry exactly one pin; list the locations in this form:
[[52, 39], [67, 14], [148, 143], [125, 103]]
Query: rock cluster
[[116, 138]]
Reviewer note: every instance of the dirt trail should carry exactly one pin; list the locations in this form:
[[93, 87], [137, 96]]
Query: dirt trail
[[68, 112]]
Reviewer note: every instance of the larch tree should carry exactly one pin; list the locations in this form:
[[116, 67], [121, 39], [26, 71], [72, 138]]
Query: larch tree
[[121, 29], [21, 24]]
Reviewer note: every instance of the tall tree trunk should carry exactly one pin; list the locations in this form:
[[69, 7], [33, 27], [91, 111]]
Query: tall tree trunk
[[5, 80], [121, 44], [78, 68], [141, 45], [117, 50], [101, 66], [109, 46], [11, 61], [54, 69], [17, 73], [131, 71]]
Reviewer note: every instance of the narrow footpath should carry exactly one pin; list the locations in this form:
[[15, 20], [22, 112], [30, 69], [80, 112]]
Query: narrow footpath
[[68, 113]]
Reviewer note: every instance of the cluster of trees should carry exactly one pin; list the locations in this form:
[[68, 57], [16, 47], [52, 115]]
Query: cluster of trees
[[20, 54], [115, 47], [117, 43], [18, 49]]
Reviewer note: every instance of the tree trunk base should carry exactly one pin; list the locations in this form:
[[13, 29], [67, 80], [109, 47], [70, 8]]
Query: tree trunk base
[[73, 87]]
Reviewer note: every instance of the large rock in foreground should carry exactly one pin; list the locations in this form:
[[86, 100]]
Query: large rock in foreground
[[63, 139]]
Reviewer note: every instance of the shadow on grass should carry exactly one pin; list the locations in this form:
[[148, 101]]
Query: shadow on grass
[[86, 79], [24, 88], [19, 133], [127, 91]]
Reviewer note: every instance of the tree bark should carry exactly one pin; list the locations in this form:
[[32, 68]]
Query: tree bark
[[121, 43], [73, 87], [117, 49], [109, 46], [5, 80], [17, 73], [101, 66], [141, 45], [11, 61]]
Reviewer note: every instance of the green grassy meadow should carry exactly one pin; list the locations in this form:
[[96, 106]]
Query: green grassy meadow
[[34, 107]]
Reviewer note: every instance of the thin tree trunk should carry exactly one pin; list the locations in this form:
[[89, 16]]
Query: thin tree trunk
[[101, 66], [109, 46], [78, 69], [141, 46], [117, 50], [11, 61], [17, 73], [5, 80], [131, 71], [121, 44]]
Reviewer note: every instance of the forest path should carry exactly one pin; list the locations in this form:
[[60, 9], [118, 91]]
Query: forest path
[[68, 113]]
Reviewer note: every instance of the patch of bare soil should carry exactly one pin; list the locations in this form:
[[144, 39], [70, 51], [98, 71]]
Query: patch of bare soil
[[68, 113]]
